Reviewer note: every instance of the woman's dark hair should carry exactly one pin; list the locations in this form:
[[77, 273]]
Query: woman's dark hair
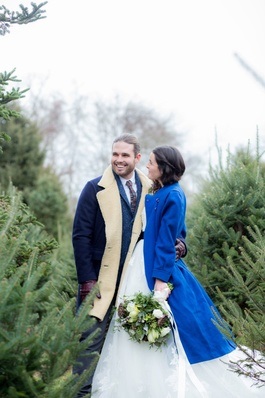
[[171, 164]]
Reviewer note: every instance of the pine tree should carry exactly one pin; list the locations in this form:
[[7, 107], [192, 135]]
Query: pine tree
[[229, 202], [8, 96], [227, 252], [249, 324], [22, 163], [22, 158], [49, 203], [39, 332]]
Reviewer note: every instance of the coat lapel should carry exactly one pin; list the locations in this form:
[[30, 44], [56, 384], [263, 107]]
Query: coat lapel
[[110, 206]]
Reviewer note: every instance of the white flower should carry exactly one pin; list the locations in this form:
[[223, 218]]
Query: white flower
[[164, 331], [158, 314], [152, 336], [133, 312], [130, 307]]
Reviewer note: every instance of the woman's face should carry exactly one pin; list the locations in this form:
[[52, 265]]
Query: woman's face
[[153, 171]]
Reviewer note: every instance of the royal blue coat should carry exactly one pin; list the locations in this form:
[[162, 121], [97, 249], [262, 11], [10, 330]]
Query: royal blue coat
[[192, 308]]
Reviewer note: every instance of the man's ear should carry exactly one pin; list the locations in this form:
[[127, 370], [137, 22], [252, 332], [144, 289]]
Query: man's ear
[[138, 157]]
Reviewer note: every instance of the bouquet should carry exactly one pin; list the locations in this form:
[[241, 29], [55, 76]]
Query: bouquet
[[145, 319]]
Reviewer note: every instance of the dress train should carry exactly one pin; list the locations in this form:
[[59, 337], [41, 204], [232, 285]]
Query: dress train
[[127, 369]]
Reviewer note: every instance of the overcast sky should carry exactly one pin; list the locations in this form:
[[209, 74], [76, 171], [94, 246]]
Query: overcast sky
[[177, 56]]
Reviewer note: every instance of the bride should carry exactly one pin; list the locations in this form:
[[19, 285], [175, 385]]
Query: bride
[[197, 360]]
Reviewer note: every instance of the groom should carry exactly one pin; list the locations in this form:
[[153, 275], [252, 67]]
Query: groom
[[105, 231]]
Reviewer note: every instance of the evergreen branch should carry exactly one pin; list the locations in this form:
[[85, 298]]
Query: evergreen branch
[[12, 95], [245, 65], [252, 366], [7, 77], [8, 18], [15, 93], [6, 114], [9, 96], [4, 28], [9, 206]]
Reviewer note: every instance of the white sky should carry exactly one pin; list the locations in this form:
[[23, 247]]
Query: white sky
[[174, 55]]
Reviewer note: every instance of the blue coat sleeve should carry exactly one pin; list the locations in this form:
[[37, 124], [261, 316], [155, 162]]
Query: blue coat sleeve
[[171, 227]]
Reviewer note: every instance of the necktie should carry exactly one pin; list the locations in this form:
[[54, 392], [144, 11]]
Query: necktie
[[132, 195]]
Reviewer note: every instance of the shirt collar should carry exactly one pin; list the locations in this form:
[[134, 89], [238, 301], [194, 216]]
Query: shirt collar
[[123, 180]]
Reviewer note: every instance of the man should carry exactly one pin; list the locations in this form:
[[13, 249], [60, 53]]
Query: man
[[107, 226]]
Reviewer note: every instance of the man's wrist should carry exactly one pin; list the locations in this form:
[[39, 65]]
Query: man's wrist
[[87, 287]]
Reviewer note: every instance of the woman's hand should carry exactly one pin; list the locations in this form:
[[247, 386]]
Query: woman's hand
[[162, 287]]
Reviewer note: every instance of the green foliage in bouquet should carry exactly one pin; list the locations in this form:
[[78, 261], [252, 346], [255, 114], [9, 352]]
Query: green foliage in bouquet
[[144, 319]]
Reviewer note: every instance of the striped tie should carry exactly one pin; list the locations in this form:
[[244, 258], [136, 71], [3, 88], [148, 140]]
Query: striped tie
[[132, 195]]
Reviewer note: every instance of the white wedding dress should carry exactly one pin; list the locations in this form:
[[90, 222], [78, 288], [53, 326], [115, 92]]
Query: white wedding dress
[[128, 369]]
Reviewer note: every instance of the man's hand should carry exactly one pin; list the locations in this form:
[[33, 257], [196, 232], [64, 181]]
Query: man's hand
[[180, 249], [86, 288]]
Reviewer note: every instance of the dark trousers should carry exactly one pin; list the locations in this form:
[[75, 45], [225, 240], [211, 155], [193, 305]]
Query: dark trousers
[[87, 361]]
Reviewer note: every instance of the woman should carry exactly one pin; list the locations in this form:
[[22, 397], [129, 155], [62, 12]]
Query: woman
[[196, 360]]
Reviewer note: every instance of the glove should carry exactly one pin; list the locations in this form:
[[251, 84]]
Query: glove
[[86, 288], [180, 249]]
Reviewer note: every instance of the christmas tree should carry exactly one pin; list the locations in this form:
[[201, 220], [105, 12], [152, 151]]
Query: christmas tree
[[227, 250], [39, 331]]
